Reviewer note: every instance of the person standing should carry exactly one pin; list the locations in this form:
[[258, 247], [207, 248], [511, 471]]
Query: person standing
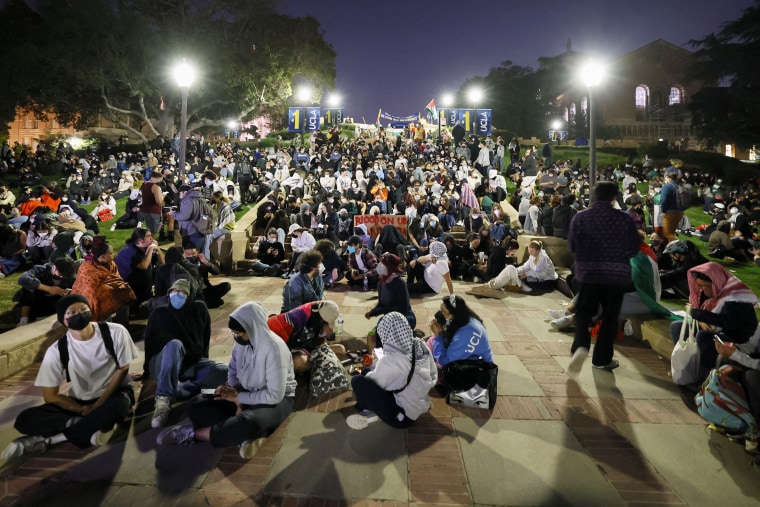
[[603, 240], [671, 214], [152, 202]]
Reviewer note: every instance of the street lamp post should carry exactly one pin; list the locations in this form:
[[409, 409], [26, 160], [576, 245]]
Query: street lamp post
[[592, 74], [184, 74], [474, 95], [304, 96]]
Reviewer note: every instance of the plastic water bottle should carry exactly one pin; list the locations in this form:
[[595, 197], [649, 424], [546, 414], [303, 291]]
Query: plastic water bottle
[[366, 284], [339, 326]]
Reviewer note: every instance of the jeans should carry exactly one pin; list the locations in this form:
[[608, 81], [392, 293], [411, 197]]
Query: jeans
[[210, 238], [165, 368], [50, 419], [371, 396], [590, 297], [229, 429]]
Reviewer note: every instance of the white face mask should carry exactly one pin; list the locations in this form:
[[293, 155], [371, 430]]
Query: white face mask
[[321, 269], [271, 240], [381, 270]]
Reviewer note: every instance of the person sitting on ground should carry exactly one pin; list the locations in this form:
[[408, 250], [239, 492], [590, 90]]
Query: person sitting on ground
[[331, 261], [100, 396], [305, 328], [664, 262], [361, 264], [39, 240], [12, 246], [396, 389], [393, 296], [307, 286], [105, 202], [721, 304], [258, 396], [537, 273], [137, 262], [270, 256], [98, 280], [719, 245], [431, 271], [301, 241], [212, 294], [684, 256], [177, 340], [42, 287], [749, 378], [463, 337], [176, 267]]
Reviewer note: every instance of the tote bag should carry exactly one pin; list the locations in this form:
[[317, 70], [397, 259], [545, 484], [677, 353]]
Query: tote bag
[[684, 361]]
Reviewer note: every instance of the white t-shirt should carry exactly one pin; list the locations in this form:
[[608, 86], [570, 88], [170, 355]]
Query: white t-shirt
[[91, 367], [434, 274]]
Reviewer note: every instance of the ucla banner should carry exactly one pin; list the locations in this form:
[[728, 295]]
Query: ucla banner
[[303, 119], [397, 119], [333, 116], [474, 121], [483, 122]]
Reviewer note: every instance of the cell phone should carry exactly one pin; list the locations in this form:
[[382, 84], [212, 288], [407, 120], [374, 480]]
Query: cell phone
[[208, 392], [719, 340]]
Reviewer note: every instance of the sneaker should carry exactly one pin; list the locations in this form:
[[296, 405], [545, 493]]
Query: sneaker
[[249, 448], [23, 321], [139, 224], [2, 275], [24, 445], [628, 328], [177, 435], [525, 288], [161, 411], [608, 367], [361, 420], [285, 275], [100, 438], [113, 228], [562, 322], [555, 314], [576, 363]]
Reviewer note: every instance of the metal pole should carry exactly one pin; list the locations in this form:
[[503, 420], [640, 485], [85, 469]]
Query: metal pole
[[592, 146], [183, 133]]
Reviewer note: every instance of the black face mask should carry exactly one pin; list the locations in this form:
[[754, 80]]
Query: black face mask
[[79, 321], [239, 340], [193, 259]]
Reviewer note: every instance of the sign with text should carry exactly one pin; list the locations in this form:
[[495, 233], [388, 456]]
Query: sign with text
[[333, 116], [375, 223], [482, 122], [303, 119]]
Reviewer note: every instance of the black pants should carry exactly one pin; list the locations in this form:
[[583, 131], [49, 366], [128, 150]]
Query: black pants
[[213, 294], [50, 419], [42, 304], [371, 396], [610, 297], [751, 382]]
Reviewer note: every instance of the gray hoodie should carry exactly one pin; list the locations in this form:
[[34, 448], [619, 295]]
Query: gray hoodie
[[263, 369]]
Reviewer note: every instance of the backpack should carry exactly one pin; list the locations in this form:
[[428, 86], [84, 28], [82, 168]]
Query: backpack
[[683, 197], [63, 347], [206, 222], [244, 168], [722, 401]]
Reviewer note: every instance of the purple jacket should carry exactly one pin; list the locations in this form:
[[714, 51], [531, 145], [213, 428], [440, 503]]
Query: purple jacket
[[603, 240]]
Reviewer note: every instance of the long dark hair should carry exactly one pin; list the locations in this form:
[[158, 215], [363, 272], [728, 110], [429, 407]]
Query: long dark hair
[[461, 315]]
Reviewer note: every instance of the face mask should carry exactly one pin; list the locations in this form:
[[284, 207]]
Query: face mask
[[64, 199], [79, 321], [208, 183], [177, 300], [354, 187], [271, 240], [321, 269], [381, 270], [433, 223], [239, 340], [343, 216], [451, 187], [655, 242], [475, 216], [351, 249]]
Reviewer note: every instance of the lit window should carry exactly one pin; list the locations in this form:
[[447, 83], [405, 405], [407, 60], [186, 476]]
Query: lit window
[[565, 115], [572, 110], [675, 96], [584, 104], [642, 96]]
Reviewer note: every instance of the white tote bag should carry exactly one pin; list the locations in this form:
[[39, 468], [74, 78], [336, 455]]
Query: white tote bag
[[684, 361]]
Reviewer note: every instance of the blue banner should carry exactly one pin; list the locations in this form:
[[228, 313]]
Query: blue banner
[[333, 116], [303, 119], [452, 117], [483, 122], [465, 118], [399, 119]]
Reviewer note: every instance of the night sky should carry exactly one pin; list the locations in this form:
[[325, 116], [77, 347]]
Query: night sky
[[397, 55]]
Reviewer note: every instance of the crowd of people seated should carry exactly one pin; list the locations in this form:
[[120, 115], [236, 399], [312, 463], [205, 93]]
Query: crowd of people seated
[[311, 196]]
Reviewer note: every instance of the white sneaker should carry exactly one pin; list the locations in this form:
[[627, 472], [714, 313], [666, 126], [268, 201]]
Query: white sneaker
[[555, 314], [2, 275], [249, 448], [576, 363], [100, 438], [177, 435], [361, 420], [139, 224], [24, 445], [562, 322], [628, 328], [525, 288], [113, 227], [161, 411], [23, 321]]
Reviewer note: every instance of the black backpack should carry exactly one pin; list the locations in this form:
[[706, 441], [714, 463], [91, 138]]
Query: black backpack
[[63, 347]]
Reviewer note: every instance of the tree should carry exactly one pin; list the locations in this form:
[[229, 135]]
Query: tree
[[81, 58], [731, 112]]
